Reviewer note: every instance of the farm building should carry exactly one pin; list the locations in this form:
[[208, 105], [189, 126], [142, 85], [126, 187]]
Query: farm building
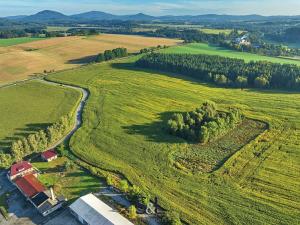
[[24, 178], [29, 185], [35, 192], [90, 210], [20, 169], [49, 155]]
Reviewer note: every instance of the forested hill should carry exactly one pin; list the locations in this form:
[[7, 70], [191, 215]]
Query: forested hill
[[226, 71]]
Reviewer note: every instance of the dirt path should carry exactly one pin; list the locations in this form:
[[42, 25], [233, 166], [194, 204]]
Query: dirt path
[[78, 112]]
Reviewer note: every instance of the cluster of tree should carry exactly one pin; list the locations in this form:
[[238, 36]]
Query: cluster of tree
[[261, 48], [188, 35], [83, 31], [15, 31], [40, 140], [205, 124], [112, 54], [226, 71], [152, 49], [290, 34]]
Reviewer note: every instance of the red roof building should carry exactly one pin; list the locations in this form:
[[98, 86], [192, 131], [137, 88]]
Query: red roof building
[[49, 155], [29, 185], [20, 169]]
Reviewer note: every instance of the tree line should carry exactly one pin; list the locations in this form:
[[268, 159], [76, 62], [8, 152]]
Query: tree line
[[226, 71], [37, 142], [112, 54], [204, 124]]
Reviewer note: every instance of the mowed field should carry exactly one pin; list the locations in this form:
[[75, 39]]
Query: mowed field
[[201, 48], [124, 130], [31, 106], [21, 61]]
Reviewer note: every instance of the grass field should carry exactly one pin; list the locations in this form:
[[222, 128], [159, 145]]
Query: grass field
[[20, 61], [215, 31], [56, 28], [123, 131], [201, 48], [17, 41], [31, 106], [72, 183]]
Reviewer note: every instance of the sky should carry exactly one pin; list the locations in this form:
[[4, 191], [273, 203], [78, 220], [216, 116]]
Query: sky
[[153, 7]]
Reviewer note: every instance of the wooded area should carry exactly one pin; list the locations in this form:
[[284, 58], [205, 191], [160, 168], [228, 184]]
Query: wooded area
[[205, 124], [226, 71]]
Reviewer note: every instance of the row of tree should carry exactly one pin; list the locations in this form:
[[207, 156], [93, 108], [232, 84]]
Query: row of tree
[[112, 54], [40, 140], [226, 71], [188, 35], [205, 124], [152, 49]]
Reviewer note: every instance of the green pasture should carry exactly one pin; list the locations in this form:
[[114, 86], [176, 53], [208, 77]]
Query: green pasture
[[57, 28], [17, 41], [31, 106], [123, 130], [71, 183], [215, 31], [201, 48]]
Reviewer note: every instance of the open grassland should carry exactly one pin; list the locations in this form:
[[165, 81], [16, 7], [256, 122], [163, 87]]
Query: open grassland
[[201, 48], [20, 61], [215, 31], [31, 106], [17, 41], [123, 130], [56, 28]]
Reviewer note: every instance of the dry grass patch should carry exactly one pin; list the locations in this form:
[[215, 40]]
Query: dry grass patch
[[20, 61]]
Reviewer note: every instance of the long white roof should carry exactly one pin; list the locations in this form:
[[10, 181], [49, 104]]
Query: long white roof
[[96, 212]]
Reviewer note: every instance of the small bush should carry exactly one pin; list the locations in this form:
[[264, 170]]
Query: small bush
[[132, 212]]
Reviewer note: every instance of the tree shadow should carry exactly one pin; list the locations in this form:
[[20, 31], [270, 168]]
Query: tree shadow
[[156, 131], [20, 133], [132, 66], [83, 60]]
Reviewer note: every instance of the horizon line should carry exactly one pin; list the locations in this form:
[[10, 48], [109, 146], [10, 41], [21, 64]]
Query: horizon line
[[66, 14]]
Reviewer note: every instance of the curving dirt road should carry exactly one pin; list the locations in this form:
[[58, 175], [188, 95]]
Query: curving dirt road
[[78, 112]]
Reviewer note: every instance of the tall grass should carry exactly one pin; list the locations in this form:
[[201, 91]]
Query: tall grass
[[123, 131]]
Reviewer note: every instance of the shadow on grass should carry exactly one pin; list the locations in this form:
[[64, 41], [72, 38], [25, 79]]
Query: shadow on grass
[[83, 60], [20, 133], [131, 66], [156, 131]]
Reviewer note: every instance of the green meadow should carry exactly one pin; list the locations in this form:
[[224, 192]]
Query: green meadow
[[201, 48], [32, 106], [215, 31], [69, 182], [124, 131], [17, 41]]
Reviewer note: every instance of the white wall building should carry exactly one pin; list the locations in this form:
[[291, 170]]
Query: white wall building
[[90, 210]]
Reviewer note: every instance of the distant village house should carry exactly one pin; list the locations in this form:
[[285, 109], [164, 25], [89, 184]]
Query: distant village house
[[244, 40]]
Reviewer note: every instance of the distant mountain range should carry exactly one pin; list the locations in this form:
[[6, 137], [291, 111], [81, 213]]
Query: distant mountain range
[[53, 16]]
